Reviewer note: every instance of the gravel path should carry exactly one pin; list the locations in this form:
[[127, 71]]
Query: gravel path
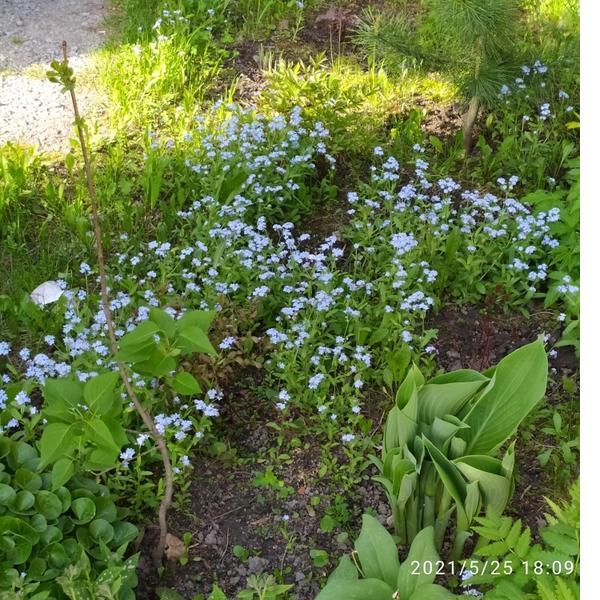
[[32, 110]]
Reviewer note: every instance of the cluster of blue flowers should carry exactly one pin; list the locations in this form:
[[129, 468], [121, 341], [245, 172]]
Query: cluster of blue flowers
[[331, 308]]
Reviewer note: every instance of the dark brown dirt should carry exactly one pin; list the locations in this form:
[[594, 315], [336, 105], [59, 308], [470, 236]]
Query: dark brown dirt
[[276, 526]]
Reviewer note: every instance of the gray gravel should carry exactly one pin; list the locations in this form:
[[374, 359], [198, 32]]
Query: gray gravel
[[32, 110]]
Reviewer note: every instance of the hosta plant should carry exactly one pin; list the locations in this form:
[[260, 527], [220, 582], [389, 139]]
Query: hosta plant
[[51, 520], [374, 570], [442, 438]]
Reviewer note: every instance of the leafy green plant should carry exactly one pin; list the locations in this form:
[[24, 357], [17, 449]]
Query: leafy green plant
[[57, 527], [548, 570], [441, 438], [374, 569], [263, 587], [562, 453]]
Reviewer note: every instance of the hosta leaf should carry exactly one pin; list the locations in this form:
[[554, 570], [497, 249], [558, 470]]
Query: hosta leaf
[[363, 589], [421, 550], [400, 429], [377, 551], [494, 488], [449, 474], [439, 399], [345, 571], [519, 382], [431, 591]]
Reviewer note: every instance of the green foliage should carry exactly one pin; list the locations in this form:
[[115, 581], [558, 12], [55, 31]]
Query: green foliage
[[335, 95], [62, 531], [263, 587], [472, 40], [83, 423], [548, 570], [374, 570], [440, 440]]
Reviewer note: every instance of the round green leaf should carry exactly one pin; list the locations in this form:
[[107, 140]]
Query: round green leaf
[[65, 497], [84, 510], [23, 455], [7, 494], [39, 523], [124, 533], [51, 535], [27, 480], [36, 568], [57, 556], [48, 504], [101, 530], [22, 502], [105, 509]]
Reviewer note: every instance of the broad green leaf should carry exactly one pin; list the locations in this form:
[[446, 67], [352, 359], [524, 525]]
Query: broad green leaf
[[24, 537], [84, 510], [196, 318], [363, 589], [27, 480], [165, 321], [487, 472], [439, 399], [377, 551], [48, 504], [451, 478], [62, 471], [7, 494], [186, 384], [157, 363], [22, 502], [432, 591], [134, 353], [66, 391], [443, 429], [345, 571], [100, 434], [422, 549], [101, 530], [193, 339], [99, 392], [519, 384], [59, 440], [399, 430], [143, 334]]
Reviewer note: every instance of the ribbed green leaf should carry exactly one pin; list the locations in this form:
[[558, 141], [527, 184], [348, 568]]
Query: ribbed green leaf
[[377, 551], [519, 383], [421, 550]]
